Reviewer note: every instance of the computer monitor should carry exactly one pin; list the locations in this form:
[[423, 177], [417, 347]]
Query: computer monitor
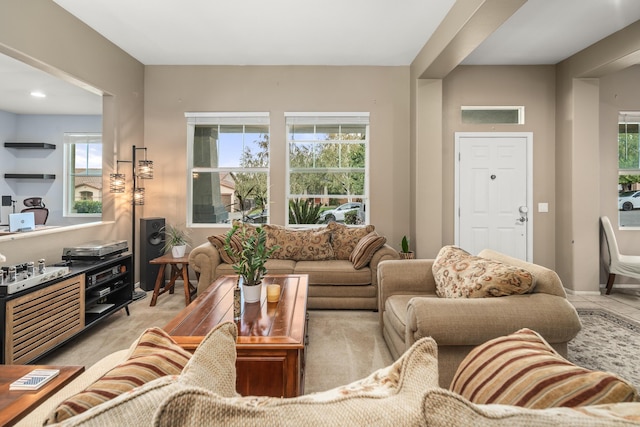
[[22, 222]]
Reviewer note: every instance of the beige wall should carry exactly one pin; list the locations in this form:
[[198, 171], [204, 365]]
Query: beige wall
[[383, 91], [618, 92], [44, 35], [530, 86]]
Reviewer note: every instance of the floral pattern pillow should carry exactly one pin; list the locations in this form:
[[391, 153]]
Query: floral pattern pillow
[[299, 245], [344, 239], [458, 274]]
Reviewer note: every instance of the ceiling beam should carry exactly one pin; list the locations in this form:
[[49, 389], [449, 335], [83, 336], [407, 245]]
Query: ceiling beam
[[466, 26]]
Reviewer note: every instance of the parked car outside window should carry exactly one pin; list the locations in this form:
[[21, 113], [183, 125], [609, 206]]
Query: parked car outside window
[[628, 200], [337, 214]]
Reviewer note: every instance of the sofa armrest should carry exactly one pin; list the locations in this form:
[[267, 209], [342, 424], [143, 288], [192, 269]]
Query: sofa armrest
[[204, 259], [473, 321], [404, 277], [385, 253]]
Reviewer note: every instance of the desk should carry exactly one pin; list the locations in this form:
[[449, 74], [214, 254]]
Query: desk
[[15, 404], [179, 268]]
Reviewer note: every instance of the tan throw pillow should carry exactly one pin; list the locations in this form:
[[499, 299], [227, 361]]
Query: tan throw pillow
[[344, 238], [299, 245], [218, 242], [458, 274], [391, 397], [364, 250], [155, 355], [522, 369]]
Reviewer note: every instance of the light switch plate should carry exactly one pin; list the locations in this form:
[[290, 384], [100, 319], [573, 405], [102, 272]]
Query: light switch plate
[[543, 207]]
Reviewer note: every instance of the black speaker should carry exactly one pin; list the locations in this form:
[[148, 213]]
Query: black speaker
[[151, 246]]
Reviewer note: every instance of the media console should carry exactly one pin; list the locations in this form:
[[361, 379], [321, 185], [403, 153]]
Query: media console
[[43, 317]]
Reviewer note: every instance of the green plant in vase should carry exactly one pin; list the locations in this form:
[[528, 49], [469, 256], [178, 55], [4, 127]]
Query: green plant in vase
[[175, 239], [250, 254], [405, 253]]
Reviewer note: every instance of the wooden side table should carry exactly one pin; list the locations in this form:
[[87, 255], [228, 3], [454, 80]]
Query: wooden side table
[[179, 268], [15, 404]]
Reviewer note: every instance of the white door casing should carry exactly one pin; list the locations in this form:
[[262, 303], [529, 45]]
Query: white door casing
[[493, 185]]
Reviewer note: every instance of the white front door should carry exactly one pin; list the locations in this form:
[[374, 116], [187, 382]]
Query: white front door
[[493, 193]]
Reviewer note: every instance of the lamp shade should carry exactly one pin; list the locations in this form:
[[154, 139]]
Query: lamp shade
[[138, 196], [145, 169], [116, 182]]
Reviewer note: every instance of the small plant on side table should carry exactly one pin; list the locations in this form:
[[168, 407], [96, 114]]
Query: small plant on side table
[[176, 240]]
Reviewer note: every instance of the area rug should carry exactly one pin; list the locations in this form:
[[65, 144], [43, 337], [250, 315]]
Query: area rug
[[607, 342]]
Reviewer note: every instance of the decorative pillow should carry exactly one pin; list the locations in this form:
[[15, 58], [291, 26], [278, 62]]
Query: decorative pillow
[[299, 245], [443, 408], [522, 369], [364, 250], [391, 396], [458, 274], [212, 368], [218, 242], [344, 238], [155, 355]]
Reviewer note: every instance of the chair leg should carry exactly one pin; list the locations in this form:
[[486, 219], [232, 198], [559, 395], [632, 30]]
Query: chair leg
[[612, 277]]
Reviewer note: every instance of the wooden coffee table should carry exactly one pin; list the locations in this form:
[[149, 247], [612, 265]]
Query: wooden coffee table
[[15, 404], [271, 336]]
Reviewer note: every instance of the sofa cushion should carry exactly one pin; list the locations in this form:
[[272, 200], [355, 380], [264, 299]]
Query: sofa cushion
[[443, 408], [218, 241], [391, 396], [299, 245], [364, 250], [211, 368], [522, 369], [155, 355], [458, 274], [344, 238], [333, 272]]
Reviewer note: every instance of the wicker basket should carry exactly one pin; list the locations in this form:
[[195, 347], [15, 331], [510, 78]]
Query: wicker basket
[[407, 255]]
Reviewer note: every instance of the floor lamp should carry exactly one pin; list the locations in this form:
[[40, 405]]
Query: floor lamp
[[141, 170]]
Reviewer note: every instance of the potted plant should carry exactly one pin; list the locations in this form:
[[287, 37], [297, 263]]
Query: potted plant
[[250, 258], [405, 253], [176, 240]]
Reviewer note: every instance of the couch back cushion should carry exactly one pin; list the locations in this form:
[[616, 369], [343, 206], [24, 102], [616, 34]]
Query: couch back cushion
[[458, 274], [299, 245], [522, 369], [344, 239], [364, 250]]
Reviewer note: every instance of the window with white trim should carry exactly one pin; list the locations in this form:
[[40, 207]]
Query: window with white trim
[[629, 169], [228, 158], [327, 167], [83, 174]]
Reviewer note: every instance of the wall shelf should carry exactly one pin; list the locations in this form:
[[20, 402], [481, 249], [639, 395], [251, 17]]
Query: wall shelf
[[29, 176], [41, 145]]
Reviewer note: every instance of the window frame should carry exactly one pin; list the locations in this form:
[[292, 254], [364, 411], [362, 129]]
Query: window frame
[[328, 118], [220, 118], [69, 182], [626, 118]]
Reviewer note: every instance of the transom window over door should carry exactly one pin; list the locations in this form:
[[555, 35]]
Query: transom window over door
[[628, 169], [327, 167], [228, 157]]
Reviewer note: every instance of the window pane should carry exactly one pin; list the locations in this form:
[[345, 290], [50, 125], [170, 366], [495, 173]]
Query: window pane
[[489, 116], [354, 132], [628, 146], [629, 172], [325, 132], [326, 183], [302, 155], [217, 196]]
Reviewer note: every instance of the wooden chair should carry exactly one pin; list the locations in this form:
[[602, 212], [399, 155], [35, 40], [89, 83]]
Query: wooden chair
[[624, 265]]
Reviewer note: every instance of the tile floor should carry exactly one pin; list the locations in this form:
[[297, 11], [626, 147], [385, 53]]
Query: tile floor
[[623, 300]]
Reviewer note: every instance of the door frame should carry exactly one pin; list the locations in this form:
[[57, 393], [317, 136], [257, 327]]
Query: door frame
[[529, 150]]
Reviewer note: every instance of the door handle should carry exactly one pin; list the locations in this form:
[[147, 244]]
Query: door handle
[[523, 214]]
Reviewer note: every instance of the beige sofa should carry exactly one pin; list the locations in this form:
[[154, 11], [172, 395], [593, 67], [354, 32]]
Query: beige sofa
[[410, 310], [323, 254], [403, 394]]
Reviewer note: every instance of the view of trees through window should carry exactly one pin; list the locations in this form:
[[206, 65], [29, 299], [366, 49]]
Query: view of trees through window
[[629, 170], [327, 170], [83, 167]]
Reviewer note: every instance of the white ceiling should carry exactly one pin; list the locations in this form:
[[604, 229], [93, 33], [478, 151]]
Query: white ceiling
[[313, 32]]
